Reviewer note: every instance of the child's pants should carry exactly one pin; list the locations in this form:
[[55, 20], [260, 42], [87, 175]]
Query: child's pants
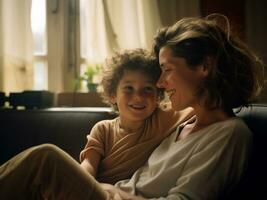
[[47, 172]]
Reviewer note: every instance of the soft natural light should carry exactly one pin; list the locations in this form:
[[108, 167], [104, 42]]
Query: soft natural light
[[92, 26], [40, 75], [38, 16], [38, 25]]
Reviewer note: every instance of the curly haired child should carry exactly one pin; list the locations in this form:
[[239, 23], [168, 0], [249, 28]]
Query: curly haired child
[[116, 148]]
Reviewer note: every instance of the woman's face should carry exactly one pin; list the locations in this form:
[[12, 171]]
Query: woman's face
[[179, 81]]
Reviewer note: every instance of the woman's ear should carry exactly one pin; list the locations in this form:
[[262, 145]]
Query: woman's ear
[[207, 66]]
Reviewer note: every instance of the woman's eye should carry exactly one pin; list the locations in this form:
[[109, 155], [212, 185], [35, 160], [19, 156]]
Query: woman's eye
[[149, 89], [167, 69]]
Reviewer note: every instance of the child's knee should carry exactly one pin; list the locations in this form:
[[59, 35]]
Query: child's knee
[[47, 147], [46, 151]]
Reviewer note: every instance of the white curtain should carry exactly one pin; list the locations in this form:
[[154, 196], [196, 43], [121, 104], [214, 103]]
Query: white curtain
[[124, 24], [17, 73], [94, 44], [135, 22], [114, 25]]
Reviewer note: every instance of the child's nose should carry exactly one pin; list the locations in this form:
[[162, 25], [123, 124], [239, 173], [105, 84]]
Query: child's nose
[[138, 95]]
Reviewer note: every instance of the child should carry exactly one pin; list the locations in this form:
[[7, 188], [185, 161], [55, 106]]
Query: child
[[117, 148]]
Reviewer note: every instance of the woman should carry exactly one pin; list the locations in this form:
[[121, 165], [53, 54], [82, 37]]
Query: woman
[[203, 67]]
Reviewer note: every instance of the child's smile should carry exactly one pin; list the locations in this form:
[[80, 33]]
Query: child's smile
[[136, 96]]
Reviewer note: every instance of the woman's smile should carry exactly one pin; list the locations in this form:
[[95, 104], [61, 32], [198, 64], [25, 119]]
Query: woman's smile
[[170, 92]]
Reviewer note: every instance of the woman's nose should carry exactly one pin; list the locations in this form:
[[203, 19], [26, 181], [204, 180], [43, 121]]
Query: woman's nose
[[160, 82]]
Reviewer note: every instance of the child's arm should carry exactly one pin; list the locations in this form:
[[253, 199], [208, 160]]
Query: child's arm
[[90, 163], [93, 152]]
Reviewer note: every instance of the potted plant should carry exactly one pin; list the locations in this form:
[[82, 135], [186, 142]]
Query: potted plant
[[88, 76]]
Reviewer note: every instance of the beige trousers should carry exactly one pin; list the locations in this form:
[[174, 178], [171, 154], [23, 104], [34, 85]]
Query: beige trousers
[[47, 172]]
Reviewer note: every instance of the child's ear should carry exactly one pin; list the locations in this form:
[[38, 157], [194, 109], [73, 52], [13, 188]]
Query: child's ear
[[113, 99]]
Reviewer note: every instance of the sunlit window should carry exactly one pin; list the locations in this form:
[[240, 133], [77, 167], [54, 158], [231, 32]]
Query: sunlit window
[[92, 29], [38, 25]]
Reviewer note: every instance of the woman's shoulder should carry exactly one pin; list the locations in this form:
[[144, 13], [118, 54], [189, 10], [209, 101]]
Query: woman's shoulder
[[230, 129], [236, 124], [240, 129], [224, 135]]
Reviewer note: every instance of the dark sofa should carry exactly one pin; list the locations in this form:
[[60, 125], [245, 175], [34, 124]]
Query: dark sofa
[[68, 127], [64, 127]]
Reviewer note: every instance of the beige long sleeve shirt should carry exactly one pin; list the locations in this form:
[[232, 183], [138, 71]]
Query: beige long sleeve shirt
[[201, 166]]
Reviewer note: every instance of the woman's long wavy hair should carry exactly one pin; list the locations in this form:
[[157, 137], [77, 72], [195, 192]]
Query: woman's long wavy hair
[[235, 73]]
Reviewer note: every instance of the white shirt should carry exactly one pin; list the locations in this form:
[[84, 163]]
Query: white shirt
[[201, 166]]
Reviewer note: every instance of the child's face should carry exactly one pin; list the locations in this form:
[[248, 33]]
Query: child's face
[[136, 96]]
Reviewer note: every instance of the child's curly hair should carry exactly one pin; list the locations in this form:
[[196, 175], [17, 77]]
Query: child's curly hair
[[132, 60]]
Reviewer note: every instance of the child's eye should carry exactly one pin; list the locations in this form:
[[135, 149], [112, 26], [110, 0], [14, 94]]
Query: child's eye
[[128, 88]]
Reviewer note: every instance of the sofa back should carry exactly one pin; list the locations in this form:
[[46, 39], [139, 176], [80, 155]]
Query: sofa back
[[254, 182], [64, 127]]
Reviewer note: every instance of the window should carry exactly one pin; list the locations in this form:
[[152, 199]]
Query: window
[[38, 26]]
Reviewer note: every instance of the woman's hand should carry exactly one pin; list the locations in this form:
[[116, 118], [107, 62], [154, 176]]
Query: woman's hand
[[112, 192], [117, 194]]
